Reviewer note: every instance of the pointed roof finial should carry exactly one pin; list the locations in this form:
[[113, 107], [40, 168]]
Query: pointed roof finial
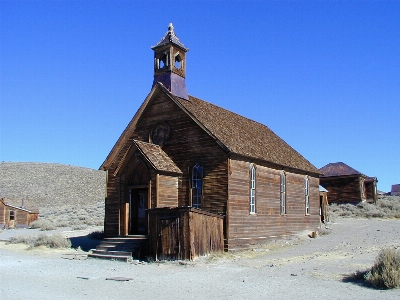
[[170, 37]]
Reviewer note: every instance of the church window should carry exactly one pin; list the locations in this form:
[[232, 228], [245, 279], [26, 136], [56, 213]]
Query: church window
[[283, 193], [252, 189], [307, 195], [197, 185]]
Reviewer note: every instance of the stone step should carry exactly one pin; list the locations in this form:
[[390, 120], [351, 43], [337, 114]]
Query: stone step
[[121, 247], [110, 257], [116, 253]]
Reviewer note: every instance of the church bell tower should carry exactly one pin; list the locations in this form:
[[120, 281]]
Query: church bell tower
[[170, 64]]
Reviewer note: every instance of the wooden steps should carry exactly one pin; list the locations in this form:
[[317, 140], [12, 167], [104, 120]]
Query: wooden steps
[[121, 248]]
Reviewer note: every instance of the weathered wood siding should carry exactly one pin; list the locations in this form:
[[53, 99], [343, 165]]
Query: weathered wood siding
[[246, 230], [184, 233], [342, 189], [188, 144], [112, 206], [167, 191], [2, 215], [371, 191]]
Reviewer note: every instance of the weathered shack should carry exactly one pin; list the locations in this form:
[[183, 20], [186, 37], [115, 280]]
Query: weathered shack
[[184, 167], [395, 191], [12, 216], [347, 185]]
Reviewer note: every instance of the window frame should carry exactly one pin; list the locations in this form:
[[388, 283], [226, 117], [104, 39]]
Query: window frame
[[12, 215], [307, 195], [252, 194], [282, 198], [196, 188]]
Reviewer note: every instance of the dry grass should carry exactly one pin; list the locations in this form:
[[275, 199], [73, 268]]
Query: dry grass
[[386, 207], [42, 224], [386, 271], [50, 241]]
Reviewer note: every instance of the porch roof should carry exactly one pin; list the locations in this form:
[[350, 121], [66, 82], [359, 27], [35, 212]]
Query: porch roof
[[157, 157]]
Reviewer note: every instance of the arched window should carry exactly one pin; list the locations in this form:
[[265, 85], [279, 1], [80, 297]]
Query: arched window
[[197, 185], [283, 193], [138, 174], [252, 189], [307, 194], [362, 188]]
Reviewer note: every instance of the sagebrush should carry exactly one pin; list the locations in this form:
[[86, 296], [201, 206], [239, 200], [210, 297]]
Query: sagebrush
[[385, 273], [386, 207], [50, 241]]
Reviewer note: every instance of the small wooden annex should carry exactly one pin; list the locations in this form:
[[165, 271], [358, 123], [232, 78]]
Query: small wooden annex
[[323, 202], [196, 178], [347, 185], [12, 216]]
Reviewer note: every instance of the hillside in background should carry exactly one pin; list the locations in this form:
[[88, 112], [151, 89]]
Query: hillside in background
[[62, 193]]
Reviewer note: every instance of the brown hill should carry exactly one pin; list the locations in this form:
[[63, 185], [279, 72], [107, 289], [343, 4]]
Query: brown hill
[[60, 192]]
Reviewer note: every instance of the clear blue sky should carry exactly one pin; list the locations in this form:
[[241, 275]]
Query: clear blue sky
[[323, 75]]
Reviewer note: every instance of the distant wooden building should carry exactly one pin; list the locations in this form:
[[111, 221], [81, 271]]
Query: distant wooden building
[[194, 178], [12, 216], [395, 191], [347, 185]]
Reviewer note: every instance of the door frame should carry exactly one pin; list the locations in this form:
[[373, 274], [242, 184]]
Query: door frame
[[128, 205]]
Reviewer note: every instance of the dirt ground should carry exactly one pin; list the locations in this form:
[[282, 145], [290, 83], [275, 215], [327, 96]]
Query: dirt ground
[[302, 267]]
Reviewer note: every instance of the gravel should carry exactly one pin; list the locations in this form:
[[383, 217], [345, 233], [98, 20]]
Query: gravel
[[298, 268]]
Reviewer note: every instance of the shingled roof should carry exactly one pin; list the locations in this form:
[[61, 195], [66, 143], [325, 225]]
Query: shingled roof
[[157, 157], [338, 169], [233, 132], [243, 136]]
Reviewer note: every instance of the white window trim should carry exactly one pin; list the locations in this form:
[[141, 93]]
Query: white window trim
[[252, 189], [282, 206], [197, 192], [307, 195]]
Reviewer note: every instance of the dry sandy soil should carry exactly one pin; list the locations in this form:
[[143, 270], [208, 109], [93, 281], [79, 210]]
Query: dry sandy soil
[[298, 268]]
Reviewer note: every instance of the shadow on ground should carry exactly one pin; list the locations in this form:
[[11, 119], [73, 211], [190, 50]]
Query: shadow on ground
[[86, 242], [357, 278]]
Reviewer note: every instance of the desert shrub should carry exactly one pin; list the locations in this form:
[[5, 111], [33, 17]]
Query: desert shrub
[[96, 235], [43, 224], [388, 207], [22, 239], [50, 241], [386, 271], [66, 216]]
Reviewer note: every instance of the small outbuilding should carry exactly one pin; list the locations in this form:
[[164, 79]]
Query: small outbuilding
[[395, 190], [12, 216], [347, 185]]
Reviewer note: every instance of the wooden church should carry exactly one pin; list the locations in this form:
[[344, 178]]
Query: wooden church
[[188, 177]]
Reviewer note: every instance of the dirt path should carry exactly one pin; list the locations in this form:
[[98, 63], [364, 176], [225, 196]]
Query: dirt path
[[302, 268]]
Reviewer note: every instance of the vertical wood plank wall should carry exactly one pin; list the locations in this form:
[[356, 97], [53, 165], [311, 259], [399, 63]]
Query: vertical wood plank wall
[[342, 189], [247, 230], [184, 233]]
